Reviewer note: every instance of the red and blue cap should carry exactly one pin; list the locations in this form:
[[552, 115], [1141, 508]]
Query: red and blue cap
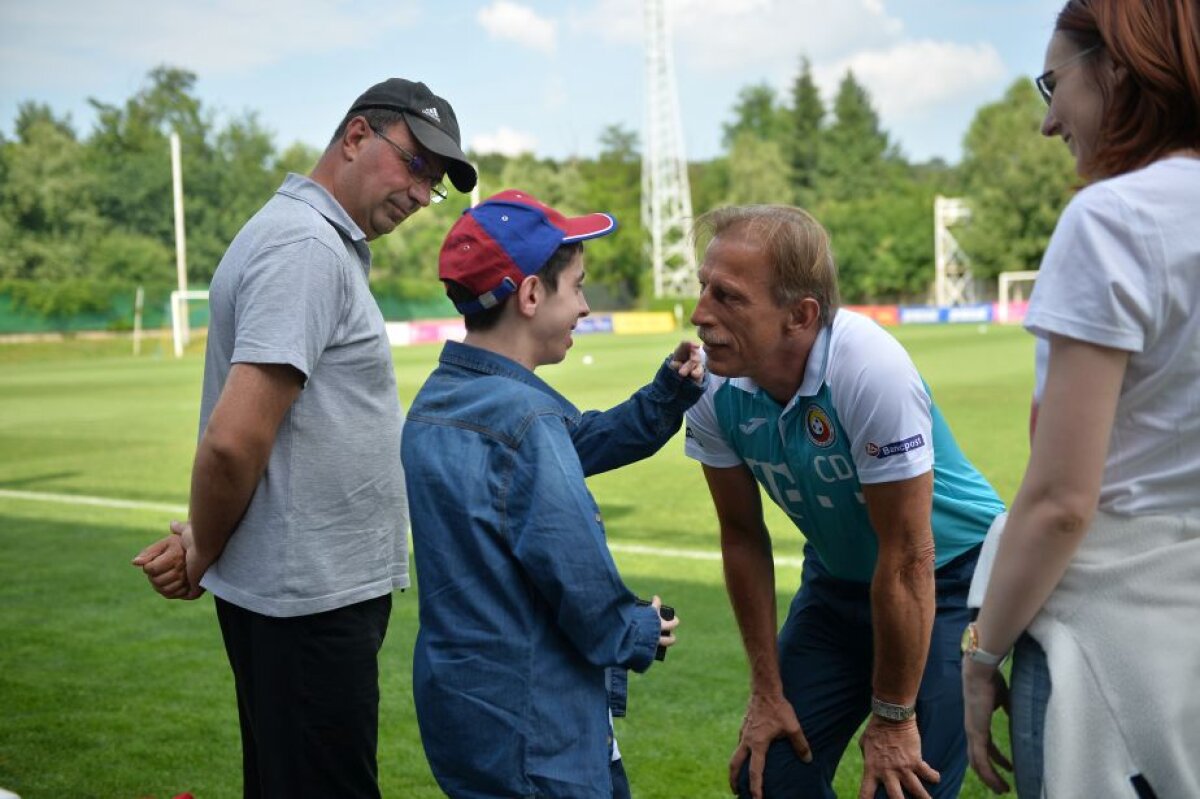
[[505, 239]]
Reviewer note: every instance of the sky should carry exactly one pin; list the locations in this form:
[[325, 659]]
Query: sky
[[543, 76]]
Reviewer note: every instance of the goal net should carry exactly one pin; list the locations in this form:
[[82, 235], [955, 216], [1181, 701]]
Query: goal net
[[1013, 290], [181, 331]]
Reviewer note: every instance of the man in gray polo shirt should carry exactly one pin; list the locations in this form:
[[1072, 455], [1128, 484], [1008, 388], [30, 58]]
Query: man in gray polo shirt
[[298, 511]]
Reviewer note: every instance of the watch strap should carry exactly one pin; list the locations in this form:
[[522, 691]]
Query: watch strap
[[891, 711], [972, 651]]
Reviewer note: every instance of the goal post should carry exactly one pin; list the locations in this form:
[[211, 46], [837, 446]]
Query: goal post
[[180, 329], [1007, 281]]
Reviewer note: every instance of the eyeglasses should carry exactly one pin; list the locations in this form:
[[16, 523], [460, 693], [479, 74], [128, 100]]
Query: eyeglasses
[[1046, 81], [419, 168]]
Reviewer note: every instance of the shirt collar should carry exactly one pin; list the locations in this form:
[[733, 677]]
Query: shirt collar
[[477, 359], [311, 193], [814, 369]]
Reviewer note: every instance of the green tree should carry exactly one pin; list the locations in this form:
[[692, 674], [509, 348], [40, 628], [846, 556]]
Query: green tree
[[96, 216], [617, 266], [883, 244], [556, 184], [757, 112], [130, 155], [619, 145], [45, 195], [244, 175], [57, 255], [758, 172], [405, 266], [855, 153], [297, 157], [808, 116], [710, 183], [1017, 183]]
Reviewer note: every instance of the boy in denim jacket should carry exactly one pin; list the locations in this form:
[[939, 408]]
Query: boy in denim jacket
[[522, 610]]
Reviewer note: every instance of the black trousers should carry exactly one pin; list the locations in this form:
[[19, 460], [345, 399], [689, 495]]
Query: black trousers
[[308, 699]]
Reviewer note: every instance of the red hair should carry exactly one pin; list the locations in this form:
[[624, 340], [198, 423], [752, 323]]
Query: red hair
[[1155, 109]]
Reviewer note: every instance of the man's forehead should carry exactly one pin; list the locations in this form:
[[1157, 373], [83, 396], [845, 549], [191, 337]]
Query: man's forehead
[[729, 249]]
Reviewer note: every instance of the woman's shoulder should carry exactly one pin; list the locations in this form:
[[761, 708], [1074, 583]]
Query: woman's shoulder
[[1163, 182]]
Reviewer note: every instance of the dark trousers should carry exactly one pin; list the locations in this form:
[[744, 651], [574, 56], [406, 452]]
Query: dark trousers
[[620, 780], [826, 653], [308, 699]]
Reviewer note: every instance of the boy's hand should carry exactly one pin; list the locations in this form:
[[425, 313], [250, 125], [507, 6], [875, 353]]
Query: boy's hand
[[687, 361], [667, 638]]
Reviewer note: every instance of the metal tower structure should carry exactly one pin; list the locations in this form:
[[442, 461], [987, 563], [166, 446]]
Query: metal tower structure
[[666, 197], [954, 283]]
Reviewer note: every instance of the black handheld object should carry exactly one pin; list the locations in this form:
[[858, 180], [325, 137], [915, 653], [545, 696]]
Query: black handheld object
[[666, 613]]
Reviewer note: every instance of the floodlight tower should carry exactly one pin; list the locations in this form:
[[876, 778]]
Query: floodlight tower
[[666, 197], [953, 269]]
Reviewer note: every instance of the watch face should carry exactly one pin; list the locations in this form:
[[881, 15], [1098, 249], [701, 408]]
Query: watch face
[[968, 638]]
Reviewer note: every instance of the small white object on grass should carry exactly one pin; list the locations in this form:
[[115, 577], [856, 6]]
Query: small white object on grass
[[587, 360]]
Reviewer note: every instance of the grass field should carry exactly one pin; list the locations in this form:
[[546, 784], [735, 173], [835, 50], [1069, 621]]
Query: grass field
[[108, 691]]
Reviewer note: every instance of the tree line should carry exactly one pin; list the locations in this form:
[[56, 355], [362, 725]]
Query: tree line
[[84, 217]]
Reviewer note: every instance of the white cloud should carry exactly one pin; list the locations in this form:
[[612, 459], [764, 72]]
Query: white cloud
[[913, 77], [520, 24], [215, 37], [504, 141], [717, 35]]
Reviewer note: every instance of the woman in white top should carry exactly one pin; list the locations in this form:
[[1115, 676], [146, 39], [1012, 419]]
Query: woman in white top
[[1100, 558]]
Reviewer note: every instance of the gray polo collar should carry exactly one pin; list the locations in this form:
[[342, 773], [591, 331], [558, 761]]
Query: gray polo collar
[[308, 191]]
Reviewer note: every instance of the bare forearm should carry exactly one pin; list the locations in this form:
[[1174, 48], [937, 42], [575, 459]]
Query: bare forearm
[[222, 486], [1060, 491], [750, 581], [1040, 538], [902, 609], [233, 454]]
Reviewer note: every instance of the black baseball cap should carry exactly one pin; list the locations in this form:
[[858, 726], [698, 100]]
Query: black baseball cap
[[431, 120]]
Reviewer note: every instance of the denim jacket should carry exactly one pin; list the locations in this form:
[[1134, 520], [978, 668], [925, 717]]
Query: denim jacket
[[521, 606]]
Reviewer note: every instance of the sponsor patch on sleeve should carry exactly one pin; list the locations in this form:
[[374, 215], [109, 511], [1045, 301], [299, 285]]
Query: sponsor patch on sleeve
[[896, 447]]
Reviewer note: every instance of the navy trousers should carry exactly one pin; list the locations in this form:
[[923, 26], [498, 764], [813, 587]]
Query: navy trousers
[[826, 655]]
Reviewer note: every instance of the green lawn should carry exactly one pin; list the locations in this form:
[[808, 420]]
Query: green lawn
[[108, 691]]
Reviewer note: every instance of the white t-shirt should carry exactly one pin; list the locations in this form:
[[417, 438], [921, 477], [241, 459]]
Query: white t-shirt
[[1123, 271]]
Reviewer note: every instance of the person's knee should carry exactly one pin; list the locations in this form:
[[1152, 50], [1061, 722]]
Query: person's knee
[[785, 776]]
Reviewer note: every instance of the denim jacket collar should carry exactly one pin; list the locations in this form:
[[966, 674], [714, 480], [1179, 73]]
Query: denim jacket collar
[[477, 359]]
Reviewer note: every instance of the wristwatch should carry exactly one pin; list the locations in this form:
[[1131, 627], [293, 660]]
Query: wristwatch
[[970, 648], [892, 711]]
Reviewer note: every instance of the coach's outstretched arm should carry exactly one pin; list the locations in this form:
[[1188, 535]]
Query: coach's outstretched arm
[[902, 610], [750, 581]]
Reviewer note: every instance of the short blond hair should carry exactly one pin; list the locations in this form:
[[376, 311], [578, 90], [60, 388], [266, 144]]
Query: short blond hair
[[796, 244]]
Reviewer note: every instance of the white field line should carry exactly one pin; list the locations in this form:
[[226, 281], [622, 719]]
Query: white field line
[[181, 512], [102, 502], [692, 554]]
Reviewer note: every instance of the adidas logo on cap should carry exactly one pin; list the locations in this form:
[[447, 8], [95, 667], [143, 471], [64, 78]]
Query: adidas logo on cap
[[432, 113]]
